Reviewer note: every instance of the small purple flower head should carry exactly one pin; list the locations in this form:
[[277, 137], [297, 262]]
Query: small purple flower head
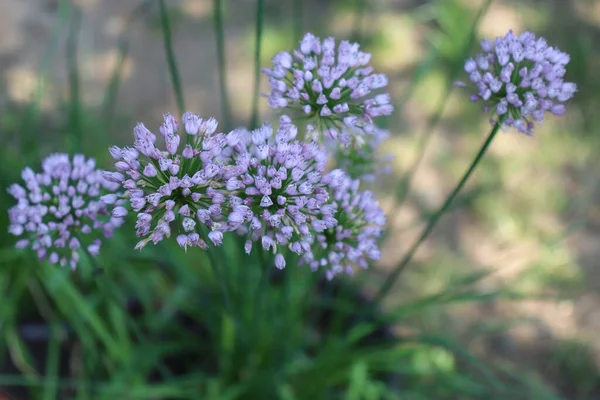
[[334, 87], [520, 78], [60, 210], [279, 190], [353, 241], [178, 190]]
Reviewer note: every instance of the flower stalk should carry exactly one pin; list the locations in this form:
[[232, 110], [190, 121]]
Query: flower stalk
[[393, 276]]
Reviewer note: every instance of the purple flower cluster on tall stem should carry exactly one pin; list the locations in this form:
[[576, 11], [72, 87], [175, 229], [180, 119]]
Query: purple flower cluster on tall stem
[[178, 189], [334, 88], [279, 193], [520, 78], [264, 185], [353, 240], [59, 210]]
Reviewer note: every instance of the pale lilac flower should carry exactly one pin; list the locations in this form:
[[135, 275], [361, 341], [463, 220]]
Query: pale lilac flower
[[334, 88], [279, 261], [520, 78], [353, 241], [180, 190], [278, 194], [59, 210]]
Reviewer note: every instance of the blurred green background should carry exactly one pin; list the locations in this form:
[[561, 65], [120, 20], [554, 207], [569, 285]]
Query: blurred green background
[[80, 74]]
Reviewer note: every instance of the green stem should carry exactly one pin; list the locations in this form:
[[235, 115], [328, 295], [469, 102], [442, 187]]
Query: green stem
[[222, 283], [75, 127], [297, 34], [391, 279], [52, 363], [259, 24], [359, 16], [422, 145], [258, 313], [265, 270], [432, 122], [30, 123], [221, 62], [110, 94], [171, 60]]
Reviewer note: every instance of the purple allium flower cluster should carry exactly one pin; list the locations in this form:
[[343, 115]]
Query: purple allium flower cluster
[[353, 241], [178, 189], [332, 87], [59, 210], [278, 198], [520, 78], [265, 185]]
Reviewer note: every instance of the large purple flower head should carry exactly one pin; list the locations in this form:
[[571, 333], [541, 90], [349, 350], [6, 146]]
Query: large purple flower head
[[520, 78], [177, 191], [279, 196], [353, 241], [332, 87], [59, 210]]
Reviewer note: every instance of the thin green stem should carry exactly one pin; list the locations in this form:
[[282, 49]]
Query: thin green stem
[[222, 283], [259, 28], [171, 60], [31, 120], [284, 309], [359, 17], [259, 295], [391, 279], [52, 363], [297, 21], [110, 96], [112, 89], [423, 141], [432, 122], [221, 62], [75, 127]]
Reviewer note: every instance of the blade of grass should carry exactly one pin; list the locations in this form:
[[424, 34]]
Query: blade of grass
[[258, 42], [180, 388], [52, 363], [221, 63], [171, 59], [75, 122], [70, 300], [457, 349], [19, 354]]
